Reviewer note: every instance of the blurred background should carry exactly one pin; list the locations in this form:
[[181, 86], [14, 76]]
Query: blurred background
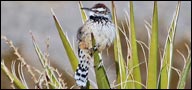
[[20, 17]]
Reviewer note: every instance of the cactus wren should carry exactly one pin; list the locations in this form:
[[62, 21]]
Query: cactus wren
[[101, 27]]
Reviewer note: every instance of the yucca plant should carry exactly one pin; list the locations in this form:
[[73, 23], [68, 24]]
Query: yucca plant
[[127, 69]]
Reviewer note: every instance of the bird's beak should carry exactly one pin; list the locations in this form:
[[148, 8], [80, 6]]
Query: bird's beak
[[88, 9]]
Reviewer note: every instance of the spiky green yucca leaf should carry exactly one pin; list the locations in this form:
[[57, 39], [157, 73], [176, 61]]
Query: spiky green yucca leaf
[[101, 76], [153, 53], [12, 77], [70, 53], [83, 14], [134, 62], [168, 53], [119, 61]]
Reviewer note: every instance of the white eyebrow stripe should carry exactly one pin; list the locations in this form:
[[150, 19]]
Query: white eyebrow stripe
[[100, 9]]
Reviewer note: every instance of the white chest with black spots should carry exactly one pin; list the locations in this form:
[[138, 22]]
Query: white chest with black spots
[[103, 31]]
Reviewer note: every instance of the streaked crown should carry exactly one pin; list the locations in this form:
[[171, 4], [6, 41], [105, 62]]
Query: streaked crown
[[99, 10]]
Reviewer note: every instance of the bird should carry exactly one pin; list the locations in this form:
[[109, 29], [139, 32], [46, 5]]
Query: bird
[[100, 26]]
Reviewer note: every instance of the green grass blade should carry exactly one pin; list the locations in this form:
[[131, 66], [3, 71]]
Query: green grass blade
[[135, 60], [153, 53], [185, 72], [168, 52], [13, 78], [120, 63], [70, 53], [101, 76]]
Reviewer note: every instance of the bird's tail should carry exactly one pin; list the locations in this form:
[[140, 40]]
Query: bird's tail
[[81, 74]]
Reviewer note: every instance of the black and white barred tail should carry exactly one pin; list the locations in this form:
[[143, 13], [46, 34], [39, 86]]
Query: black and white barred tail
[[81, 74]]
